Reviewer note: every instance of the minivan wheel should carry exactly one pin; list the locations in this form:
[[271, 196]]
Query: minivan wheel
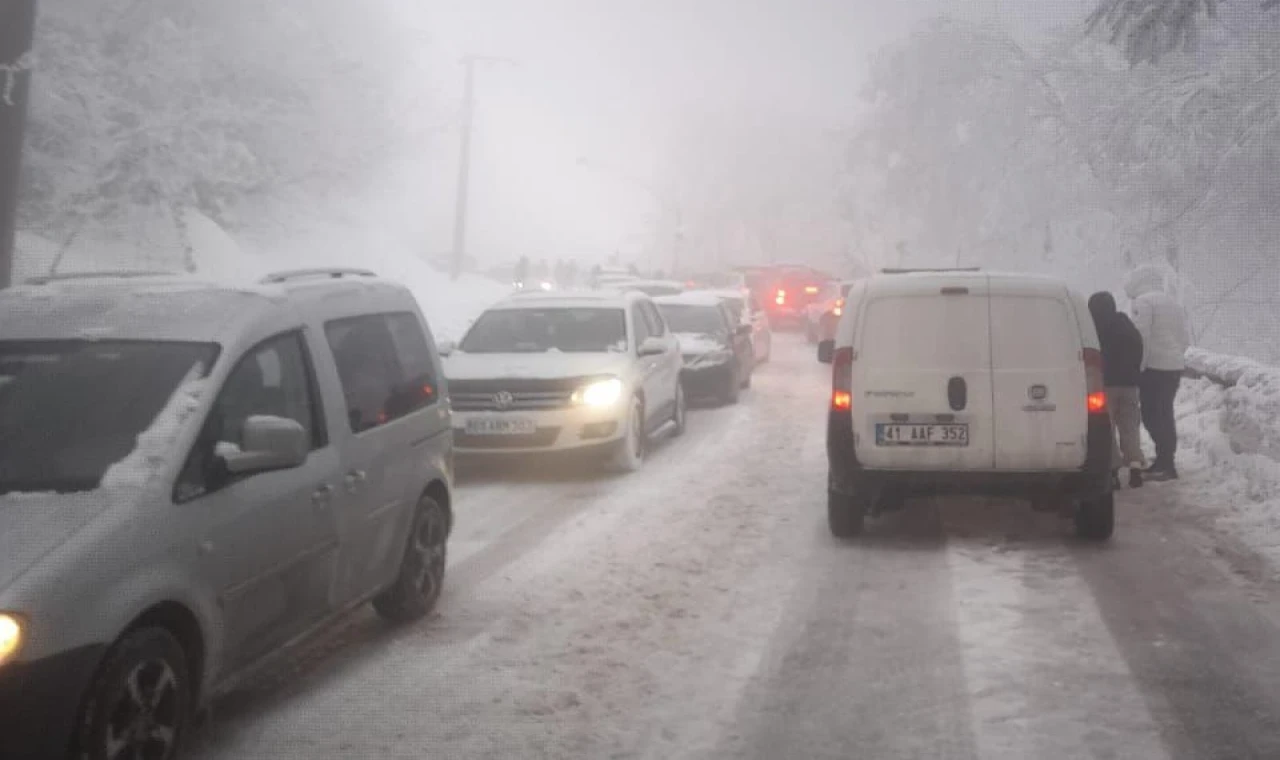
[[139, 704], [629, 456], [417, 588], [845, 514], [1096, 518]]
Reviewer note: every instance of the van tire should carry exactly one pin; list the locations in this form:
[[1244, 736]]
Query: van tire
[[149, 655], [845, 515], [1096, 518], [421, 576]]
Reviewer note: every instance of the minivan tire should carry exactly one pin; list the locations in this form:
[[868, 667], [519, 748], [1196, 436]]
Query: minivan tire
[[421, 576], [1096, 518], [155, 663], [845, 514]]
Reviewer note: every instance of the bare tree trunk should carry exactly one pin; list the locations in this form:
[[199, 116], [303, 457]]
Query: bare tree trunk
[[17, 26]]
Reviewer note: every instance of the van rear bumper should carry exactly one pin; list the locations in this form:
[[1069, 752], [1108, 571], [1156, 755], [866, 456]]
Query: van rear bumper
[[847, 476]]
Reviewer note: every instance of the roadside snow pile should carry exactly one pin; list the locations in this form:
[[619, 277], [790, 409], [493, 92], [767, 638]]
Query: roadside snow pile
[[1229, 426]]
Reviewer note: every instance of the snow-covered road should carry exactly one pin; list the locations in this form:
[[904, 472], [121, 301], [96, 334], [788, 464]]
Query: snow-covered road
[[699, 609]]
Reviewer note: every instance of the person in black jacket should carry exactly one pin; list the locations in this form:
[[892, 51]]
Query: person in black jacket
[[1122, 374]]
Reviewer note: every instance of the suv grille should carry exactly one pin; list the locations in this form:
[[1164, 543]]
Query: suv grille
[[513, 395]]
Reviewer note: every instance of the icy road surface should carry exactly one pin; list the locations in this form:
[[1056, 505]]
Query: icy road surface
[[700, 609]]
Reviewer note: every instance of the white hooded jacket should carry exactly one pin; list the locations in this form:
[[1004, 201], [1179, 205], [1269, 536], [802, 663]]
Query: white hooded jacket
[[1159, 318]]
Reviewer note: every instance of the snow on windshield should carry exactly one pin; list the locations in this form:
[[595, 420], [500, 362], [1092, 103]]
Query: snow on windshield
[[585, 330]]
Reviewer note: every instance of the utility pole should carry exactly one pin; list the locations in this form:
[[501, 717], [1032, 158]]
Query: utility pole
[[17, 28], [464, 160]]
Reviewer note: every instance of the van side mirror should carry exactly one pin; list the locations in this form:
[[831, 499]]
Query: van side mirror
[[446, 347], [826, 350], [268, 443]]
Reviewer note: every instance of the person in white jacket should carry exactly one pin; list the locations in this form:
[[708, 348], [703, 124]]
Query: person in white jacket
[[1165, 340]]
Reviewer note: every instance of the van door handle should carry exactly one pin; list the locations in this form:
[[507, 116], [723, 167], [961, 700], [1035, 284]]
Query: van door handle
[[322, 496], [354, 480]]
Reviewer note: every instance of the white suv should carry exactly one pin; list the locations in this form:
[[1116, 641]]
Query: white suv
[[967, 383], [583, 372]]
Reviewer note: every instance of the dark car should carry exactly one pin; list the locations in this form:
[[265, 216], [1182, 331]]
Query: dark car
[[717, 349]]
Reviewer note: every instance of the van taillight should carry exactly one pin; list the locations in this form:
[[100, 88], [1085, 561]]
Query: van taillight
[[1094, 383], [842, 379]]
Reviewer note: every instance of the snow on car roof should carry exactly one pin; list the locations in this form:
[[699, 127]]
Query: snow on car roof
[[692, 298], [152, 308], [722, 293], [578, 299]]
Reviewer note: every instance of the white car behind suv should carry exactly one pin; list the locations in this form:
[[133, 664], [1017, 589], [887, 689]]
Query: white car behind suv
[[949, 382], [583, 372]]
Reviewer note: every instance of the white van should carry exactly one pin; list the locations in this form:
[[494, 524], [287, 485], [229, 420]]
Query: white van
[[967, 382]]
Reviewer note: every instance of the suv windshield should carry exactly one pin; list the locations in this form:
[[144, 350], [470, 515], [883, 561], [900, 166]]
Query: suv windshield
[[71, 409], [703, 320], [536, 330]]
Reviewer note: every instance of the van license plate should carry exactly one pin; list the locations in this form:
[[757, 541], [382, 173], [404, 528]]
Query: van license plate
[[894, 434], [492, 426]]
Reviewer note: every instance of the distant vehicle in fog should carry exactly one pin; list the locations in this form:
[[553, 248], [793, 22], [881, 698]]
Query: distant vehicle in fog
[[823, 314], [589, 374], [966, 382], [718, 357], [745, 309]]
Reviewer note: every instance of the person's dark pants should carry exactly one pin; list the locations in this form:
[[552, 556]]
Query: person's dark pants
[[1158, 390]]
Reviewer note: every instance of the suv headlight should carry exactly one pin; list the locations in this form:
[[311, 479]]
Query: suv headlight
[[10, 637], [600, 393]]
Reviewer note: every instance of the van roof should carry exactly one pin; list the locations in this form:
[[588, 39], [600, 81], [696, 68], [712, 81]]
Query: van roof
[[1002, 282]]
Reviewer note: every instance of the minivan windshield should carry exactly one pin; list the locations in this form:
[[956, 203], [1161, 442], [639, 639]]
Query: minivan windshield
[[70, 409], [577, 330], [693, 319]]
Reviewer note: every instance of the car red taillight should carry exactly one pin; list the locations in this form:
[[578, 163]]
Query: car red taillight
[[781, 298], [842, 380], [839, 309], [1096, 401]]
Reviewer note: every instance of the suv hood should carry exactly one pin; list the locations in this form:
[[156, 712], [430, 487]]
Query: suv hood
[[548, 365], [34, 524], [700, 343]]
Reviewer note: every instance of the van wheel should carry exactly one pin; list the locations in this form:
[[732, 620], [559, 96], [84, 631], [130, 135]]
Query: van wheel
[[139, 704], [417, 588], [1096, 518], [631, 449], [845, 514]]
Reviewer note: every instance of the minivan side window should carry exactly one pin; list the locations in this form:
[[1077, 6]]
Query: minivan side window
[[384, 366], [273, 379]]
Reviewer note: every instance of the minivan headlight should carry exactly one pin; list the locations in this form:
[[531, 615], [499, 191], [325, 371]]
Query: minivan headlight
[[600, 393], [10, 637]]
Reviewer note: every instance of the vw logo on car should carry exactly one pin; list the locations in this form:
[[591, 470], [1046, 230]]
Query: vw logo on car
[[503, 400]]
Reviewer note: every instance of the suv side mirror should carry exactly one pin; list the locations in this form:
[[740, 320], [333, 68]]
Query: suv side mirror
[[652, 347], [268, 443], [446, 347], [826, 350]]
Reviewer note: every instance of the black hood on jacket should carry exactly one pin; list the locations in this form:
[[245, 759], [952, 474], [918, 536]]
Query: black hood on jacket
[[1102, 306], [1121, 342]]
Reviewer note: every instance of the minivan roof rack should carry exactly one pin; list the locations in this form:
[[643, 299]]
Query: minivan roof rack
[[336, 273], [103, 275], [900, 270]]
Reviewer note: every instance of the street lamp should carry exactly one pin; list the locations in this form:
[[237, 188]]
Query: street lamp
[[664, 203]]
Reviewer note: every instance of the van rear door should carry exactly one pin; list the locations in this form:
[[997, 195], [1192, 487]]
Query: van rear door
[[921, 379], [1039, 380]]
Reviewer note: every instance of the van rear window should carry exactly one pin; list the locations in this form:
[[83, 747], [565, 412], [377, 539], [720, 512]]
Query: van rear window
[[926, 332], [1033, 332]]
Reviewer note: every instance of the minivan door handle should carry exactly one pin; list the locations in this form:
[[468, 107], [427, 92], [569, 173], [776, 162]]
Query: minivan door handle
[[322, 496], [354, 480], [957, 394]]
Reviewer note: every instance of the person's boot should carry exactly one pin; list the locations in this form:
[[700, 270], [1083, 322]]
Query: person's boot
[[1135, 477], [1162, 471]]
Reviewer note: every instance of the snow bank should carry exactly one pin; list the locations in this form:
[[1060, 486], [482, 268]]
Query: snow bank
[[1229, 430]]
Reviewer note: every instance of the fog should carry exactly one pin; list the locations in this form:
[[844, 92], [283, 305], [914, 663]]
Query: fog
[[677, 135]]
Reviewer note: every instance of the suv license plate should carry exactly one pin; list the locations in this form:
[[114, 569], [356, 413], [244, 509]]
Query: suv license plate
[[492, 426], [922, 435]]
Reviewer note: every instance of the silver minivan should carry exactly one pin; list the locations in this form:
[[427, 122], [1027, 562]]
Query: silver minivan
[[194, 476]]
